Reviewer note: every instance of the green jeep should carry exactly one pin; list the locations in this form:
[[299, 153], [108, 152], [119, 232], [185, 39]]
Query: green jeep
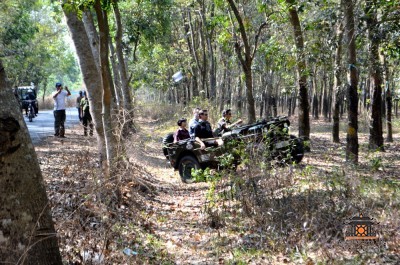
[[272, 135]]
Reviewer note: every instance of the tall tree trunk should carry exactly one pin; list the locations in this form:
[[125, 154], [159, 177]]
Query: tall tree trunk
[[105, 83], [194, 50], [116, 77], [246, 62], [126, 95], [304, 108], [389, 104], [211, 57], [44, 89], [352, 97], [187, 32], [239, 95], [325, 101], [337, 83], [224, 87], [92, 35], [330, 99], [204, 61], [27, 234], [91, 76], [375, 132]]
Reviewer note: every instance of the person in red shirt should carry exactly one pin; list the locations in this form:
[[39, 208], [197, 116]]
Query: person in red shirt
[[182, 133]]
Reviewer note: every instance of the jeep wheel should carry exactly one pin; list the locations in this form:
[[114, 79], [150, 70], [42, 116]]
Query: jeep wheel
[[185, 168], [168, 139], [297, 149]]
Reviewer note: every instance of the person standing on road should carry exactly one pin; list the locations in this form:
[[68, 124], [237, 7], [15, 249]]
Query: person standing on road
[[59, 97], [86, 117], [78, 105]]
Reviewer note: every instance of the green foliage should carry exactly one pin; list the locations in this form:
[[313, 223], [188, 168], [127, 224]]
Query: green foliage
[[200, 175], [35, 49], [375, 161]]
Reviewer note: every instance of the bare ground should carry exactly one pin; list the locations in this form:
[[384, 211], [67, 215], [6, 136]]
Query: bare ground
[[146, 209]]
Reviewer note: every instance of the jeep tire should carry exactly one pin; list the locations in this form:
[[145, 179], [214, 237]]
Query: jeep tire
[[186, 164], [297, 149], [168, 139]]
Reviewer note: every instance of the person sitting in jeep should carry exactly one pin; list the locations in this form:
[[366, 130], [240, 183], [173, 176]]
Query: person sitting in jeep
[[182, 133], [225, 124], [193, 122], [203, 130]]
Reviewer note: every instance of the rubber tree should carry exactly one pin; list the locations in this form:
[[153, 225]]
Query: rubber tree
[[304, 106], [123, 74], [376, 130], [105, 74], [90, 73], [27, 234], [337, 83], [246, 57], [352, 96]]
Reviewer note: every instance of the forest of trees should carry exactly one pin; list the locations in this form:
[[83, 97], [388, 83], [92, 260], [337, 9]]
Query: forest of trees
[[324, 59], [255, 57]]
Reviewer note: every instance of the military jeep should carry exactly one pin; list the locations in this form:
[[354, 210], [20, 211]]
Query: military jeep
[[267, 136]]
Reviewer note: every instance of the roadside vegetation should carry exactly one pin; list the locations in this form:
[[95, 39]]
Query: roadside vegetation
[[332, 67], [258, 214]]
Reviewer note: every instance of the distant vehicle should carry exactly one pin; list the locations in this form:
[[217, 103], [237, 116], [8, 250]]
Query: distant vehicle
[[27, 95], [271, 136]]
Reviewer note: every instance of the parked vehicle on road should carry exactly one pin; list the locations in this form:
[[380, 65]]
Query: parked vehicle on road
[[27, 95], [271, 136]]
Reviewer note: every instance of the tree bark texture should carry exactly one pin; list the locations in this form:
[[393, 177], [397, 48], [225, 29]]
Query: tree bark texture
[[246, 62], [376, 130], [126, 94], [304, 107], [352, 97], [91, 76], [389, 100], [93, 36], [105, 83], [27, 234], [337, 83]]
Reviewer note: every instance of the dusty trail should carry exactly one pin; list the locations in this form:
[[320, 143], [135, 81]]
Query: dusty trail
[[172, 227], [177, 210]]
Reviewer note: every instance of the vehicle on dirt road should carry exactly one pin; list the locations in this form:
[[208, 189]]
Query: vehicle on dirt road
[[267, 136], [27, 95]]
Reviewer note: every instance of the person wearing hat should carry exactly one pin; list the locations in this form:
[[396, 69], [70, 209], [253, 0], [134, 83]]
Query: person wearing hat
[[182, 133], [59, 97], [78, 105]]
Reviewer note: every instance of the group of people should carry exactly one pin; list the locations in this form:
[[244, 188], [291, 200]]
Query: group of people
[[59, 97], [200, 128], [82, 104]]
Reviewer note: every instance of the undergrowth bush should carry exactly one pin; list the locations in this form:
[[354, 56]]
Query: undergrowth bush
[[290, 206]]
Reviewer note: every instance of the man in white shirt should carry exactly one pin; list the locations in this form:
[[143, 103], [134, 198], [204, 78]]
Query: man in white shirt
[[59, 97]]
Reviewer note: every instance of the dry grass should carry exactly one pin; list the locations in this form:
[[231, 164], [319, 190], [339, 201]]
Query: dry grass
[[280, 215], [48, 102]]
